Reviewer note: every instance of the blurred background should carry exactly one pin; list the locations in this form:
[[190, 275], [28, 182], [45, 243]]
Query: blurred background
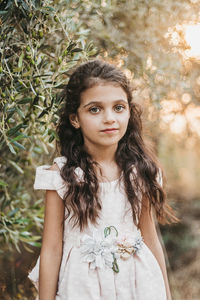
[[157, 44]]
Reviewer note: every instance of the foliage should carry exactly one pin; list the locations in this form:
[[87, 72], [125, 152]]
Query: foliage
[[40, 42], [137, 32], [147, 38]]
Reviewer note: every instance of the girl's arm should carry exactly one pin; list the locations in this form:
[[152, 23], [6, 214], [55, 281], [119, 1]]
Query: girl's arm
[[148, 231], [51, 251]]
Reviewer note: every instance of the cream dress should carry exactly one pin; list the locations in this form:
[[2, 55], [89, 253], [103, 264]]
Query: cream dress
[[86, 271]]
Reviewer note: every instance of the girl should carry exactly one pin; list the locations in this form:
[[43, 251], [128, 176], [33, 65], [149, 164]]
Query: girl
[[99, 239]]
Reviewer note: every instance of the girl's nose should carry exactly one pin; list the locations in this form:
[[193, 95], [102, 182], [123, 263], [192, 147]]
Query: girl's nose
[[109, 117]]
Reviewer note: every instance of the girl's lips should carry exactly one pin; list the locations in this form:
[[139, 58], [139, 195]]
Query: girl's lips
[[109, 130]]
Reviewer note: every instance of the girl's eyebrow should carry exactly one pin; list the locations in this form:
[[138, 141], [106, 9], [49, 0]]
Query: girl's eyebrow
[[100, 102]]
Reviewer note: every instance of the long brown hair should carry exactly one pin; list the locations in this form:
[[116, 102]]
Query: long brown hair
[[81, 198]]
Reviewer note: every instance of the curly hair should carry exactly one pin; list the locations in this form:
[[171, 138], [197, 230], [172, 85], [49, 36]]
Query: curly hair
[[82, 197]]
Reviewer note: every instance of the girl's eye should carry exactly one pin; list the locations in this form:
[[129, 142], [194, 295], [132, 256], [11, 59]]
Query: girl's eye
[[94, 109], [119, 108]]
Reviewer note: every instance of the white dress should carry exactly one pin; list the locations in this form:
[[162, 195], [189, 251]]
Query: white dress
[[86, 271]]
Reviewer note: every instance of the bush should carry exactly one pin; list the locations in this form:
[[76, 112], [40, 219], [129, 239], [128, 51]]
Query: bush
[[40, 43]]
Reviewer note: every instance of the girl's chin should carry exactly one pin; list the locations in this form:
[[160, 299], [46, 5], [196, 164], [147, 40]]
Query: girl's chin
[[104, 143], [109, 144]]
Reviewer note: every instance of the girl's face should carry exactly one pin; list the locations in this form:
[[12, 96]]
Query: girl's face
[[103, 115]]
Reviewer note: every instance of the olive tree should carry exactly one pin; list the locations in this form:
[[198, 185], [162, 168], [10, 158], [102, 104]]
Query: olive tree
[[40, 44]]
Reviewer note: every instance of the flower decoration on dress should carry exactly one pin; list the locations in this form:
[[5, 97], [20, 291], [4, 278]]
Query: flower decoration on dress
[[127, 245], [100, 250]]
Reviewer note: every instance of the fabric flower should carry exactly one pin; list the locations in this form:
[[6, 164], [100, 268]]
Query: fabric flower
[[129, 245], [104, 248], [98, 250]]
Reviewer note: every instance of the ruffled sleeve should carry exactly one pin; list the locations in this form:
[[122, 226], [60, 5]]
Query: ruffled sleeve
[[46, 179]]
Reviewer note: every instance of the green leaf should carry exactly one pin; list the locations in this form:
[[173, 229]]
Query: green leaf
[[25, 234], [71, 46], [15, 70], [77, 50], [11, 148], [18, 145], [24, 100], [27, 237], [51, 138], [27, 73], [50, 8], [13, 130], [10, 112], [53, 135], [20, 61], [36, 244], [22, 221], [13, 212], [19, 137], [20, 112], [38, 150], [16, 166], [3, 183]]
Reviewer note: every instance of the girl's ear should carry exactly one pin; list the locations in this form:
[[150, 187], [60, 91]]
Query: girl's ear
[[74, 121]]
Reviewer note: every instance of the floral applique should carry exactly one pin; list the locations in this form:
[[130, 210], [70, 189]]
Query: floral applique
[[98, 249], [104, 248]]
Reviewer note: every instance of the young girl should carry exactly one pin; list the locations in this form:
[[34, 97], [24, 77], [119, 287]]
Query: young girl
[[99, 239]]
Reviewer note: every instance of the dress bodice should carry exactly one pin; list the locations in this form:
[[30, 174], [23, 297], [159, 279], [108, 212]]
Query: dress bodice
[[116, 209]]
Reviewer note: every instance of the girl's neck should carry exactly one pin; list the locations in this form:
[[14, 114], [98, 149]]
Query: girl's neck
[[107, 168], [104, 155]]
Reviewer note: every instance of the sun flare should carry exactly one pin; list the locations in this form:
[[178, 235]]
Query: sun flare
[[192, 38]]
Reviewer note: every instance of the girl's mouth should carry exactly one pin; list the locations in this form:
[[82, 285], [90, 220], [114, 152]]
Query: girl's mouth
[[109, 130]]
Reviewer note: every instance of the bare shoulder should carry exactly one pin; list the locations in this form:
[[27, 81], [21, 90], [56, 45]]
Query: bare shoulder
[[54, 167]]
